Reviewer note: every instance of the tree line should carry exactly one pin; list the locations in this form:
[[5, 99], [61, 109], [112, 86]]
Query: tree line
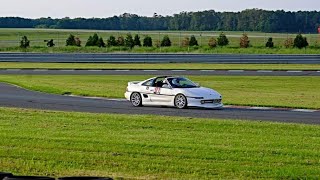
[[247, 20], [131, 42]]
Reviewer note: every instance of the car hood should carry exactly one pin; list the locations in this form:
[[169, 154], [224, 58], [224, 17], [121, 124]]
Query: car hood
[[202, 92]]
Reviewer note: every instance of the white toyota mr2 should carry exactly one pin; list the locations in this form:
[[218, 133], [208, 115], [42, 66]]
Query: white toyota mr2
[[172, 91]]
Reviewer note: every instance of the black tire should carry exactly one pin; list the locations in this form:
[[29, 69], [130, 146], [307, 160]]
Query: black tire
[[180, 101], [136, 99], [28, 178], [85, 178]]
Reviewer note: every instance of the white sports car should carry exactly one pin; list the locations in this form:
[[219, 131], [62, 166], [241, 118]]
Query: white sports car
[[172, 91]]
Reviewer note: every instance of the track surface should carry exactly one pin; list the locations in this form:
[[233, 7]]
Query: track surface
[[158, 72], [161, 58], [12, 96]]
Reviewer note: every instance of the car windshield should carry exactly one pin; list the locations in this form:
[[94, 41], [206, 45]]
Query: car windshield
[[181, 82]]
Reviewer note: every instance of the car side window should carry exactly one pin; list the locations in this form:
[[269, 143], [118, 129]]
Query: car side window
[[158, 82], [148, 83]]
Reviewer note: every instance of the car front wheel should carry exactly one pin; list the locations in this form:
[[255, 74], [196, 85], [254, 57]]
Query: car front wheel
[[136, 99], [180, 101]]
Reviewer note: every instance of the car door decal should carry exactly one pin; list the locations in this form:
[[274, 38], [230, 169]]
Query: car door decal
[[157, 90]]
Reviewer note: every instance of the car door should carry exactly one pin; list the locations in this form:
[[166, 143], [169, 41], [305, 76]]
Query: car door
[[163, 94]]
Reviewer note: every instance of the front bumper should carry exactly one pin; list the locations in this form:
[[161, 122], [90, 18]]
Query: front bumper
[[192, 102]]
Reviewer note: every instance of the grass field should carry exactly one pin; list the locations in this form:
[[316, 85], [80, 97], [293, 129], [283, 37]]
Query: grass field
[[154, 147], [295, 92], [195, 66], [10, 38]]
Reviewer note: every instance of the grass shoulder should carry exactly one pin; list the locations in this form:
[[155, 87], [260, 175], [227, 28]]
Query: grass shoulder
[[52, 143]]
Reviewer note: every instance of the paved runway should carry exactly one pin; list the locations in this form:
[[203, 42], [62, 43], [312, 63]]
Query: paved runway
[[12, 96], [158, 72], [161, 58]]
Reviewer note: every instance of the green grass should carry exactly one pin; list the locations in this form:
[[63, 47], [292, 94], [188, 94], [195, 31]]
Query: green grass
[[195, 66], [10, 38], [155, 147], [295, 92]]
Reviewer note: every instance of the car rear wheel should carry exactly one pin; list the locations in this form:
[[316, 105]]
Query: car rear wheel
[[136, 99], [180, 101]]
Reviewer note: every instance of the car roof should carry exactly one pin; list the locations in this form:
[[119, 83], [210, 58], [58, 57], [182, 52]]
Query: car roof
[[167, 77]]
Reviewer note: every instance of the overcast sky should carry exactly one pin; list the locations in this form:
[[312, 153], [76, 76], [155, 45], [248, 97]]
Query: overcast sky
[[107, 8]]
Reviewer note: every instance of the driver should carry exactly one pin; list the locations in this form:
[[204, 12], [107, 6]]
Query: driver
[[176, 82]]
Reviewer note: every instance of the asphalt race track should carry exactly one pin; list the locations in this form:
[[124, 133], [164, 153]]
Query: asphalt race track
[[157, 72], [160, 58], [12, 96]]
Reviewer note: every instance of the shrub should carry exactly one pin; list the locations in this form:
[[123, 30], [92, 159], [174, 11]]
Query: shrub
[[193, 41], [300, 42], [147, 41], [24, 43], [120, 41], [101, 43], [270, 44], [129, 42], [112, 41], [49, 43], [136, 40], [93, 40], [185, 42], [71, 41], [158, 44], [77, 41], [288, 43], [89, 41], [212, 42], [166, 41], [223, 40], [244, 41]]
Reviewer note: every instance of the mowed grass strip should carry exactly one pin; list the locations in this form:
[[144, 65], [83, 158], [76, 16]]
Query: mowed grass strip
[[164, 66], [153, 147], [205, 49], [295, 92]]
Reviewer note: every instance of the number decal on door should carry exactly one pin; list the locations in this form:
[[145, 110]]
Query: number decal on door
[[157, 90]]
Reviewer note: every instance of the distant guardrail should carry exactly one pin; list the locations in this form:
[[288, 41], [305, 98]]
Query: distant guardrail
[[160, 58]]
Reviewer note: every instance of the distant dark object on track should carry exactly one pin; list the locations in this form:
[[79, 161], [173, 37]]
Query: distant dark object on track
[[160, 58], [5, 174]]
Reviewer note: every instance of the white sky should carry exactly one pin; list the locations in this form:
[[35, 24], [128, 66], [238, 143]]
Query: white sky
[[107, 8]]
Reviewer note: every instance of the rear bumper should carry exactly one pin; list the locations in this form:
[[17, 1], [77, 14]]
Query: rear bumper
[[127, 95]]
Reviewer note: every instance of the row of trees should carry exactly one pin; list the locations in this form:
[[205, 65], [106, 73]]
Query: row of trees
[[130, 41], [247, 20]]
